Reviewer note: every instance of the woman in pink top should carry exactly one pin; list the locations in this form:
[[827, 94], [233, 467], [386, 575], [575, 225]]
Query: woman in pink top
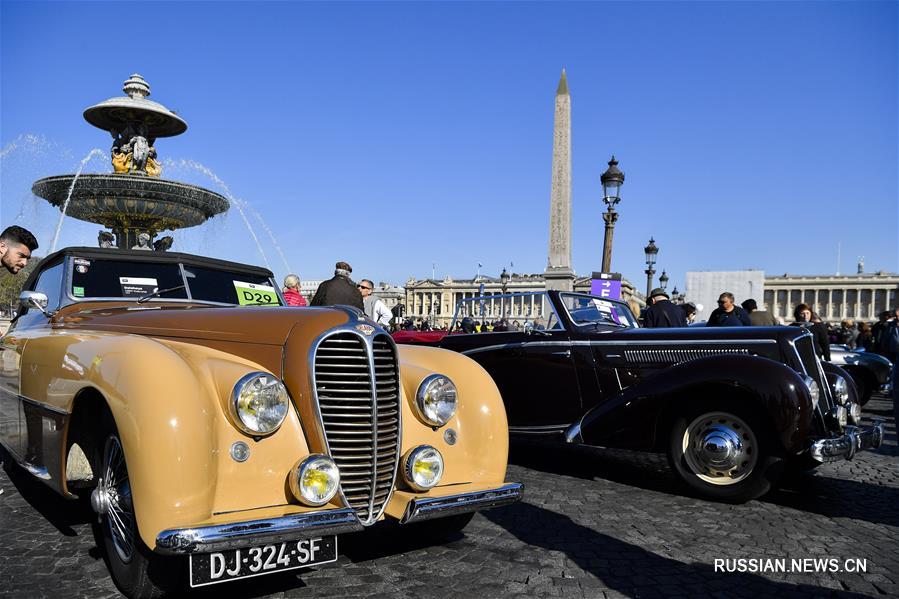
[[292, 291]]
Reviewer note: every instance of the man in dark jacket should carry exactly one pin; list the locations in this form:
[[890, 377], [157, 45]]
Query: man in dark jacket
[[727, 314], [339, 289], [662, 313], [758, 318]]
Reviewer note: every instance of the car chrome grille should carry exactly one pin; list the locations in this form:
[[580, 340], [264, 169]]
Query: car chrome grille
[[674, 356], [805, 347], [360, 416]]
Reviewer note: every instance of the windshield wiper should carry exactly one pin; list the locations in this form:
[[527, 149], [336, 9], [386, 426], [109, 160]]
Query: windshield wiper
[[156, 293]]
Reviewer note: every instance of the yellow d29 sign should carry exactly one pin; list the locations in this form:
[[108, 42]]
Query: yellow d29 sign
[[252, 294]]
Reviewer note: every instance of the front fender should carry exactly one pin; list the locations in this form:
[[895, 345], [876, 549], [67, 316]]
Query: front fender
[[632, 418], [481, 450]]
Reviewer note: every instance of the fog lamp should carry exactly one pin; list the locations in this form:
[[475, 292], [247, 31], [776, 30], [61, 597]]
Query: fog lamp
[[315, 480], [422, 467], [813, 389], [855, 413], [840, 414]]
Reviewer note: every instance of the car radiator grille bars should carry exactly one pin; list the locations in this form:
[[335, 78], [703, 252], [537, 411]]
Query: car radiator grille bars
[[674, 356], [357, 387]]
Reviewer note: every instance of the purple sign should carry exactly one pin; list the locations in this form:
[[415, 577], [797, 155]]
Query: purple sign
[[607, 285]]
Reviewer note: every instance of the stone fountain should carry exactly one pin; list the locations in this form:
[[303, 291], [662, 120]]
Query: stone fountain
[[133, 200]]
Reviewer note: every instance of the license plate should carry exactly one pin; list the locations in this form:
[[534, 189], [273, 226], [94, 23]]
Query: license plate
[[212, 568]]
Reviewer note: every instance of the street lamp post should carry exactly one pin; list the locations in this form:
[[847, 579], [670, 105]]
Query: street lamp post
[[612, 180], [504, 278], [651, 251], [663, 280]]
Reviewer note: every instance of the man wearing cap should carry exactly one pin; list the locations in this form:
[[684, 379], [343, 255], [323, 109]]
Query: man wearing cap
[[339, 289], [662, 313]]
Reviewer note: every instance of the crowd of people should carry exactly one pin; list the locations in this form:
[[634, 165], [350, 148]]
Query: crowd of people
[[881, 337]]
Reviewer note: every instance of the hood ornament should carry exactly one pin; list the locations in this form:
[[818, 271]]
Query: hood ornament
[[365, 329]]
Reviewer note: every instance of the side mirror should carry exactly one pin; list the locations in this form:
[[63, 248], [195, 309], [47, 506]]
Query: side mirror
[[34, 300]]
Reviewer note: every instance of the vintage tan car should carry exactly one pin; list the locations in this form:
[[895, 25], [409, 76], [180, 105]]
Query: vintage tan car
[[221, 436]]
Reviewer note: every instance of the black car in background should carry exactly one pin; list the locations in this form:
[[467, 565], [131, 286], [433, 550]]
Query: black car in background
[[729, 406], [870, 372]]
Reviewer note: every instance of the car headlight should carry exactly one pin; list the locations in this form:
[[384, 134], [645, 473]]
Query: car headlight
[[436, 399], [840, 390], [813, 389], [259, 403], [315, 480], [422, 467]]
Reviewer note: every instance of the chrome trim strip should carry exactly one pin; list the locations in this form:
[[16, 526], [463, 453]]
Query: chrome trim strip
[[220, 537], [428, 508], [373, 385], [631, 342]]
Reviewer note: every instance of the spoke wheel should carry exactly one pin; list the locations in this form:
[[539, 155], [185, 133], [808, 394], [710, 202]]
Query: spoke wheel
[[135, 569], [119, 507]]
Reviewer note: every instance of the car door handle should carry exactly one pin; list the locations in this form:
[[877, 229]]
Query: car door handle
[[564, 354]]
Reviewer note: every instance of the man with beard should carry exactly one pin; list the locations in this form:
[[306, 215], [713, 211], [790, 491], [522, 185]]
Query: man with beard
[[16, 245]]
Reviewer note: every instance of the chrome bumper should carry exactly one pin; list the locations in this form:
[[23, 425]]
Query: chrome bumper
[[427, 508], [855, 439], [205, 539]]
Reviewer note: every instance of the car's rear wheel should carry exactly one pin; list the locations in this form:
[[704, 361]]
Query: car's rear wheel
[[136, 571], [723, 455]]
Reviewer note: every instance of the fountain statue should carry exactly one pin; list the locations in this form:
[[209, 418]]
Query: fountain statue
[[134, 200]]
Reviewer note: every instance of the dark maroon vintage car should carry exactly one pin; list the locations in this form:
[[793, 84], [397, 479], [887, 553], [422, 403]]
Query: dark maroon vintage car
[[730, 406]]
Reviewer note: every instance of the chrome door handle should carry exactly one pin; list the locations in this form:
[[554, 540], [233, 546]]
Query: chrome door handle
[[564, 354]]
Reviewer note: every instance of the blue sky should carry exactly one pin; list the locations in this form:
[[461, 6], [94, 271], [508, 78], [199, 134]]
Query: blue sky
[[400, 135]]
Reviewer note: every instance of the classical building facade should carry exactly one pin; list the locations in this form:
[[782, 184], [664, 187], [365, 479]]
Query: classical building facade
[[435, 301], [860, 296]]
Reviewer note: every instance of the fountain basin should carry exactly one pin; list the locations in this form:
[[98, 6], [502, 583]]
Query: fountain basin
[[124, 201]]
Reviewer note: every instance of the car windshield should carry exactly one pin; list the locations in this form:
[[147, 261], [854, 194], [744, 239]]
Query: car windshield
[[123, 279], [499, 313], [588, 309]]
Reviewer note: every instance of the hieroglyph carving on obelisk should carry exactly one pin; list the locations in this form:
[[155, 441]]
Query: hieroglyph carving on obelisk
[[559, 274]]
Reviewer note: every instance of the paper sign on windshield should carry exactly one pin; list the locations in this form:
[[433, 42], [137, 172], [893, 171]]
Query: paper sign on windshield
[[137, 286], [252, 294]]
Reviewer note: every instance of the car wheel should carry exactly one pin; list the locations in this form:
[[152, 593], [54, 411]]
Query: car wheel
[[723, 455], [136, 571]]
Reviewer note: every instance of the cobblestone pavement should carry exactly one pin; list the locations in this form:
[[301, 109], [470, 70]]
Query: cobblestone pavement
[[594, 523]]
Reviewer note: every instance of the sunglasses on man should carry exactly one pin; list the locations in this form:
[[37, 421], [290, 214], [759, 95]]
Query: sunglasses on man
[[364, 287]]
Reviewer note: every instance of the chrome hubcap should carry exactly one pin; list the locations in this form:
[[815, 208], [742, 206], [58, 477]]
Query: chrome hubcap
[[720, 448], [112, 499]]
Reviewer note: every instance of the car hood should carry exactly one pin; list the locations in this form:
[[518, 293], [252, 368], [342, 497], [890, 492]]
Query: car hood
[[261, 325]]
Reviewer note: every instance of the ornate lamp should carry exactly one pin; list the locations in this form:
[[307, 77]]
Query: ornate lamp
[[612, 180], [651, 252]]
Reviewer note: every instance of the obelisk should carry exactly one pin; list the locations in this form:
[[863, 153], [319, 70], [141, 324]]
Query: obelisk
[[559, 274]]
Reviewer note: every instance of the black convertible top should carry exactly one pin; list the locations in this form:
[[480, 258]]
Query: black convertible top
[[145, 256]]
